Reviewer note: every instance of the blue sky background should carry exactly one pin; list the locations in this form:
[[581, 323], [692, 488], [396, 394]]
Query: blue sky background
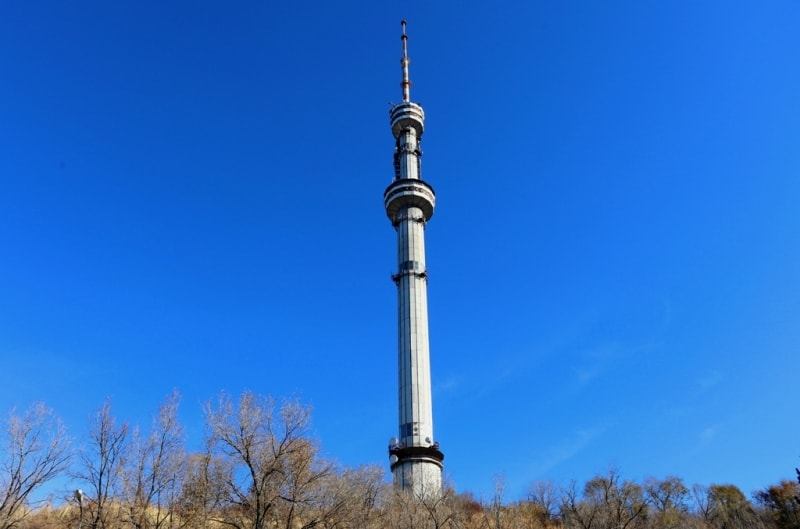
[[191, 198]]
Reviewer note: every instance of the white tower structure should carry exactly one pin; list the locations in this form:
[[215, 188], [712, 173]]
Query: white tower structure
[[415, 458]]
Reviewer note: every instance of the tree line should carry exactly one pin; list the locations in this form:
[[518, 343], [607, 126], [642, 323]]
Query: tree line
[[259, 468]]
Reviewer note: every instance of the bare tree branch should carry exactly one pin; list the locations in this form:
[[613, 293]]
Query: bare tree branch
[[36, 451]]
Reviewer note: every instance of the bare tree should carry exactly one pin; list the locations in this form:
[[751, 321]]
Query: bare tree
[[542, 504], [203, 489], [730, 509], [331, 498], [443, 509], [608, 502], [781, 503], [577, 513], [101, 468], [154, 468], [494, 512], [669, 499], [406, 510], [36, 451], [352, 499], [308, 489], [272, 469], [403, 511], [701, 505]]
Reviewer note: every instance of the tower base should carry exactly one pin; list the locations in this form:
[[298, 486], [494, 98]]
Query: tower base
[[417, 469]]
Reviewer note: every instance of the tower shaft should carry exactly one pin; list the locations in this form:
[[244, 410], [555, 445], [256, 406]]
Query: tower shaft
[[416, 460]]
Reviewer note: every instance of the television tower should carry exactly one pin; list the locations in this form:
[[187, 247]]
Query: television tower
[[415, 458]]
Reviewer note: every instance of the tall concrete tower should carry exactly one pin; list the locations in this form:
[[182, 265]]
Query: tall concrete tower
[[415, 458]]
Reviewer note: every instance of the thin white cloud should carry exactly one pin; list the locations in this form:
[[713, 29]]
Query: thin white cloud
[[567, 448], [481, 382], [709, 380], [586, 374], [667, 315], [705, 438], [606, 352], [598, 360], [707, 435], [450, 383]]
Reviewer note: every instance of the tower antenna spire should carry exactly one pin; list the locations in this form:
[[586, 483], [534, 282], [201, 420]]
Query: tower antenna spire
[[406, 84]]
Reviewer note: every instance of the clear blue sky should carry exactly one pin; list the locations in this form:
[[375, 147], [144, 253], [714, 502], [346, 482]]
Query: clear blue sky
[[191, 198]]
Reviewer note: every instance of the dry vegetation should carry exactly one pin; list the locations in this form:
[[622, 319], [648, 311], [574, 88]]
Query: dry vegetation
[[260, 469]]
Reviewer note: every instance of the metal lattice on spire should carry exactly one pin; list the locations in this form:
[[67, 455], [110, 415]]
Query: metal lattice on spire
[[406, 83]]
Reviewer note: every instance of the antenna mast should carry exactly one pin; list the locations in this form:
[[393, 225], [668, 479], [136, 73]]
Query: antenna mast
[[405, 84]]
